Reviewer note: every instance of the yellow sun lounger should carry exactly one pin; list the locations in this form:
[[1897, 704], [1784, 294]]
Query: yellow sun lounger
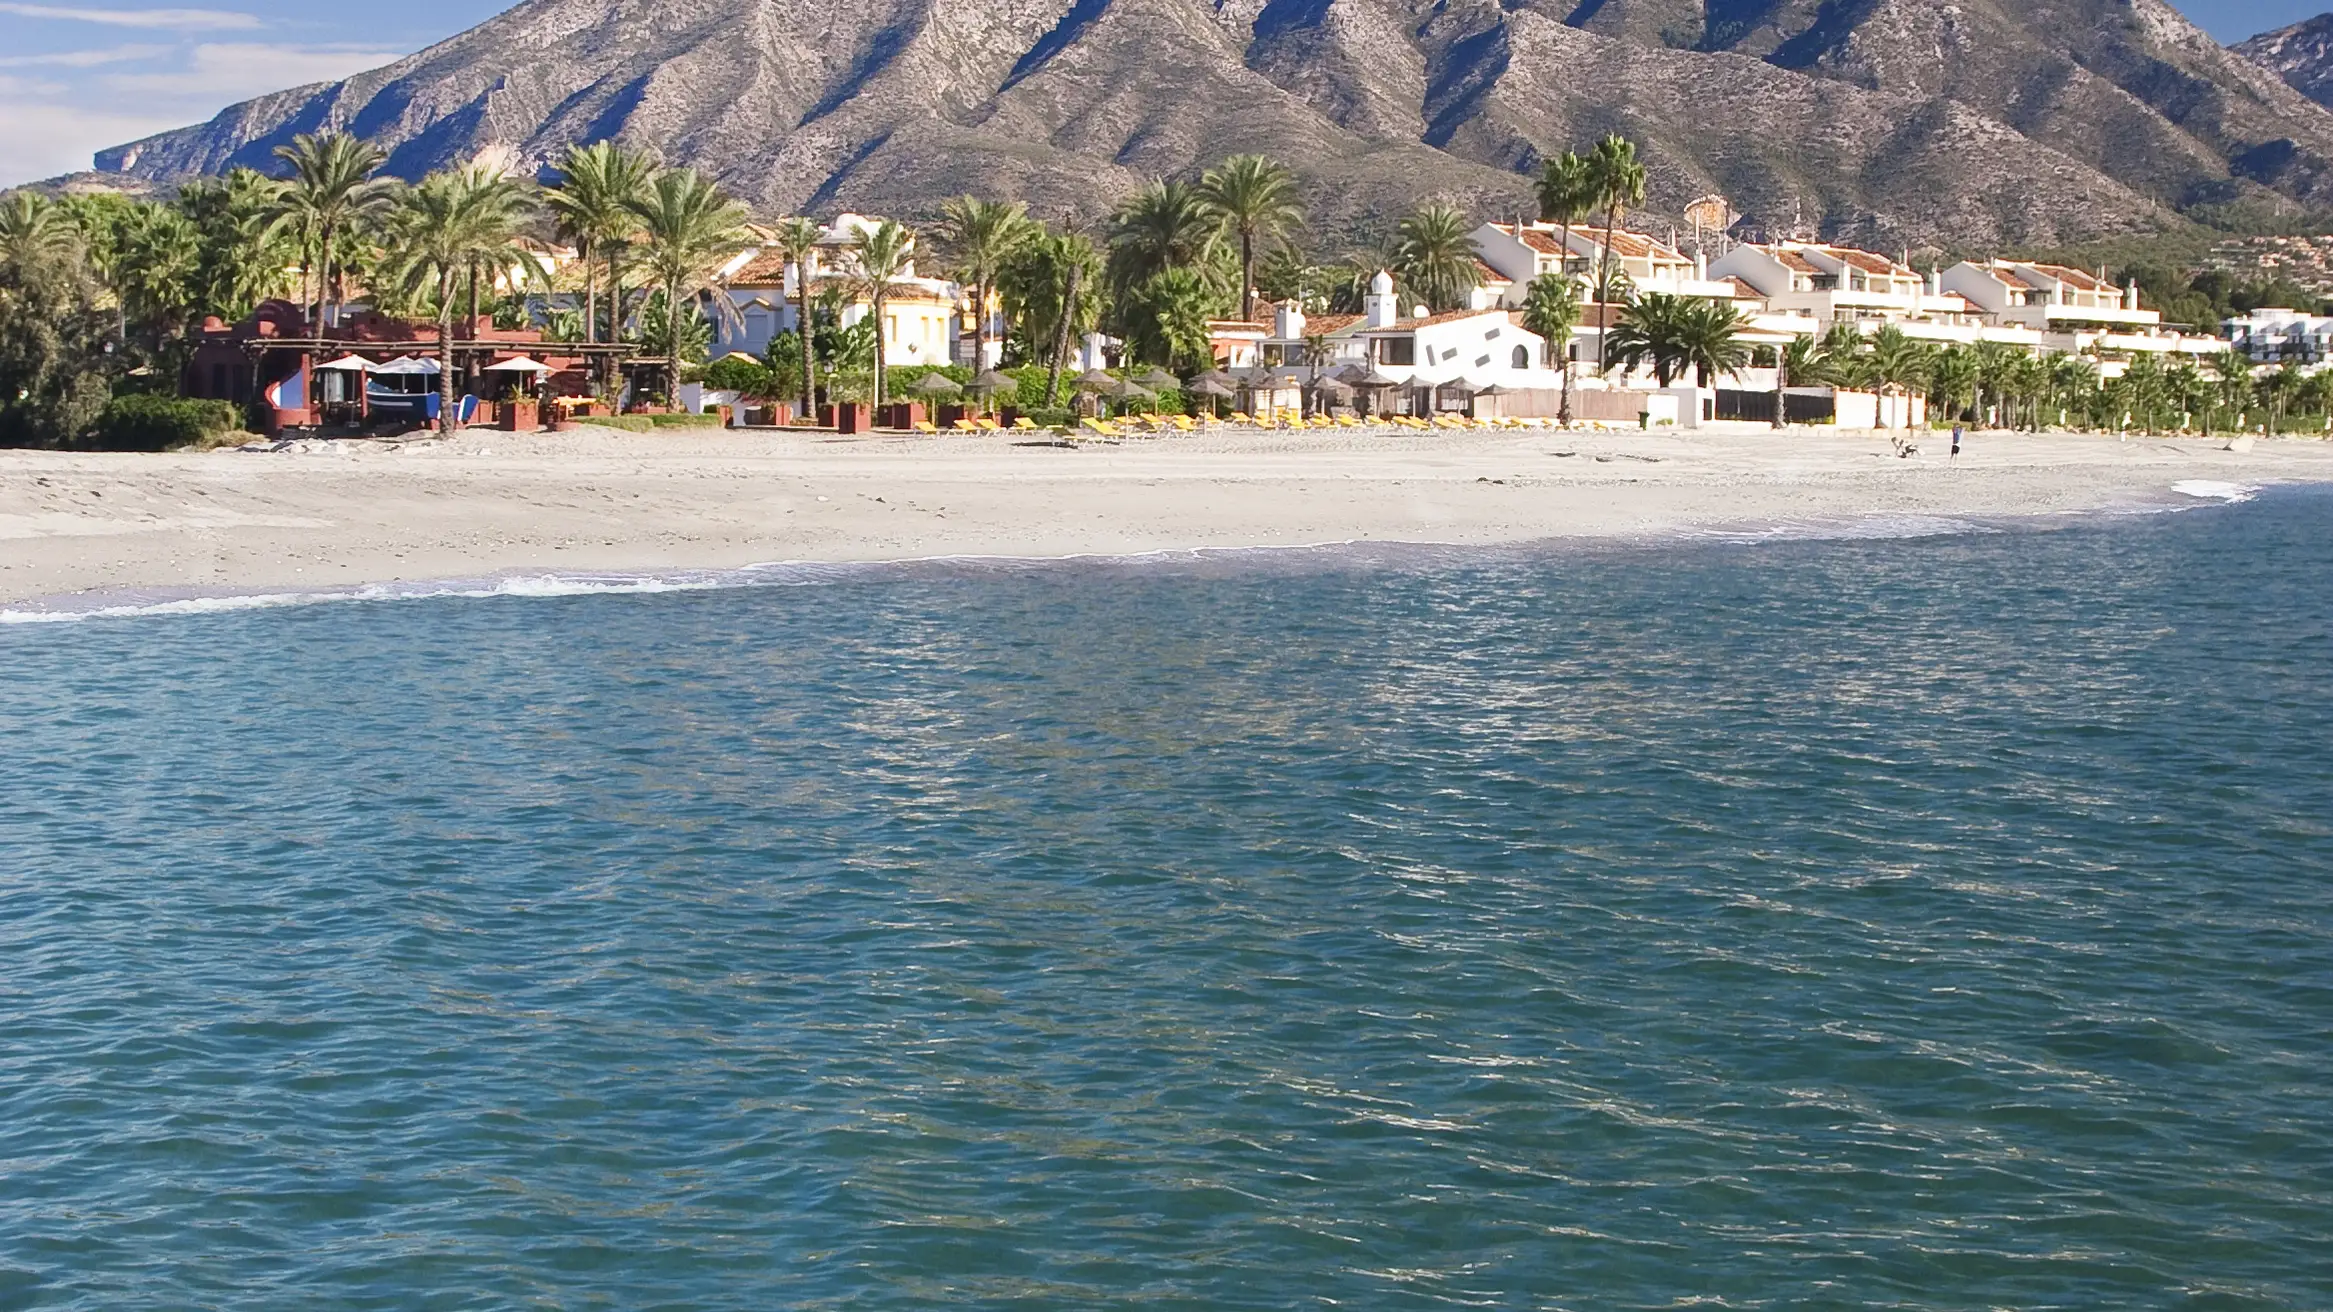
[[1021, 424], [926, 426]]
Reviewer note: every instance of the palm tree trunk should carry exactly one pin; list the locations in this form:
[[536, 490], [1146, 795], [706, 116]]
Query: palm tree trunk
[[445, 354], [875, 304], [979, 327], [590, 295], [1781, 387], [672, 343], [802, 331], [1247, 276], [1069, 290], [1604, 284]]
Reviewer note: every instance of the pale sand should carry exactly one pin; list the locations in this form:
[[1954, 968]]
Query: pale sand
[[489, 503]]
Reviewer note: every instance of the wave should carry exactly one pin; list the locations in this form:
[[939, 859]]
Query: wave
[[2213, 490]]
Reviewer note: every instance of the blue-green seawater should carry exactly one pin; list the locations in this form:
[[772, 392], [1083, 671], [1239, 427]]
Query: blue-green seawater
[[1926, 923]]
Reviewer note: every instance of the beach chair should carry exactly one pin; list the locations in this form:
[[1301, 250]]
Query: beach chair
[[1185, 424], [966, 426], [1021, 424], [1098, 427], [987, 425], [926, 426]]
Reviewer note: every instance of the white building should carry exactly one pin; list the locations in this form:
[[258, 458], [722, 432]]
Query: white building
[[2279, 336], [1519, 253], [920, 315], [1423, 353], [2070, 311]]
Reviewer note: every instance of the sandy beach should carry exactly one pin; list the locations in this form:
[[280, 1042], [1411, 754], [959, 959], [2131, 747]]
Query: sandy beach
[[323, 515]]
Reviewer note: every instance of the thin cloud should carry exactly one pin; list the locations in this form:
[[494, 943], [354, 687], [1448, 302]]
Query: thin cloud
[[84, 58], [221, 73], [181, 20]]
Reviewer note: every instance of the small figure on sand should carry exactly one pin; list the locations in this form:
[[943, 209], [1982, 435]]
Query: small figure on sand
[[1956, 431]]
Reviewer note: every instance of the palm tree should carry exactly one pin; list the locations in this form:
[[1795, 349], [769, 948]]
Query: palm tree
[[1551, 309], [1253, 198], [1680, 333], [1712, 344], [241, 252], [882, 253], [1166, 225], [593, 201], [1166, 318], [1434, 255], [1952, 382], [688, 230], [1567, 191], [1653, 330], [2073, 379], [984, 235], [2277, 390], [1897, 364], [797, 240], [2232, 371], [1048, 289], [1617, 181], [36, 236], [330, 188], [453, 222]]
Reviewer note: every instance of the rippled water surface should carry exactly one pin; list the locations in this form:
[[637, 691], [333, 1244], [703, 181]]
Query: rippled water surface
[[1937, 923]]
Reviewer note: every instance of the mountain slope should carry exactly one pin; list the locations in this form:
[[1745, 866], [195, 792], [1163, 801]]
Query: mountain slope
[[2301, 55], [1795, 109], [2129, 85]]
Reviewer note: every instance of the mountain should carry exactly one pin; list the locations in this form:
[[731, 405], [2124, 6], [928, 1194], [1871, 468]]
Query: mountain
[[1955, 122], [2302, 55]]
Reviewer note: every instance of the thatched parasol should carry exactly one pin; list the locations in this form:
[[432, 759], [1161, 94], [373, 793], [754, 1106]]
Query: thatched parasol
[[937, 384]]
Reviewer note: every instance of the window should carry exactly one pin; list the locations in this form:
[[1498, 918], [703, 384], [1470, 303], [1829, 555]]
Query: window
[[1522, 357], [1397, 350], [1491, 336]]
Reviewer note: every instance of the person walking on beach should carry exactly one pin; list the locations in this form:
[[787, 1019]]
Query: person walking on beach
[[1956, 430]]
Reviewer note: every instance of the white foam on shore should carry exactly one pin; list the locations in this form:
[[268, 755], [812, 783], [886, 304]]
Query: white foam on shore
[[2213, 490]]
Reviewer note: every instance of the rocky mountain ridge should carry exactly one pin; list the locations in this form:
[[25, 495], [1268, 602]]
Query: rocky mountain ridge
[[1891, 122], [2302, 55]]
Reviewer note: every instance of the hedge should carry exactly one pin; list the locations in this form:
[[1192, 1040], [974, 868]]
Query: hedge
[[147, 422], [650, 423]]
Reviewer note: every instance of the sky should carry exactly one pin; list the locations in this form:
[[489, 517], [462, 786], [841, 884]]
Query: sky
[[77, 76]]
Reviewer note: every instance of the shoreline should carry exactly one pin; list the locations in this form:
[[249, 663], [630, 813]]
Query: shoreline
[[81, 530]]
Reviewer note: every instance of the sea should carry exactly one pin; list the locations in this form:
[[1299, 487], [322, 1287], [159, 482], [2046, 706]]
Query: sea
[[1911, 914]]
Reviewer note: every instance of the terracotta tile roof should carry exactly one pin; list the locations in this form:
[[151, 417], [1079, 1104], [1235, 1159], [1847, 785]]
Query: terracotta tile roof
[[1328, 325], [767, 266], [1541, 242], [2012, 279], [1489, 275], [1870, 263], [2074, 278], [1635, 245], [1796, 262], [1744, 289]]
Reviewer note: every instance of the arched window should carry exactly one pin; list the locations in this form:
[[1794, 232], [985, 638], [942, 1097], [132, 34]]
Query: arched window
[[1522, 357]]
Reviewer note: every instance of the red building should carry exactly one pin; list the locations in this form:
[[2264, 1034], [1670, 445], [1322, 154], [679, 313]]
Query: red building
[[269, 362]]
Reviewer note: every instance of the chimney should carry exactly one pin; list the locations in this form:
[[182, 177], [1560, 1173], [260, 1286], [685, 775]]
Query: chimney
[[2130, 295], [1380, 308], [1288, 322]]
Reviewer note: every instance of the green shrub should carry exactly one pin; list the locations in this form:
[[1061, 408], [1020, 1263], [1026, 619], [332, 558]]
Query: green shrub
[[650, 423], [1054, 418], [729, 374], [147, 422]]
